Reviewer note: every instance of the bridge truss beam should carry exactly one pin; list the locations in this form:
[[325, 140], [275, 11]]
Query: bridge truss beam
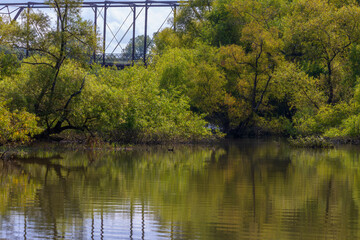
[[100, 9]]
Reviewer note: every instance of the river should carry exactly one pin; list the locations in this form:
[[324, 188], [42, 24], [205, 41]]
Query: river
[[246, 189]]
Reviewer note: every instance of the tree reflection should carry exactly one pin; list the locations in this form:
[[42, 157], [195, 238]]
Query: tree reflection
[[261, 190]]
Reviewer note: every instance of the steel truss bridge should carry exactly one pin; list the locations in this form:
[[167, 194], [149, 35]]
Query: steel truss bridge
[[101, 12]]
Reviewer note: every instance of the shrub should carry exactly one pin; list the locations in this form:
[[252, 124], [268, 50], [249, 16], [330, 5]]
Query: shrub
[[16, 126]]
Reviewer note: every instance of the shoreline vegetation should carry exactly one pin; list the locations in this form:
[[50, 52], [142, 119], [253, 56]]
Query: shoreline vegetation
[[30, 150], [231, 68]]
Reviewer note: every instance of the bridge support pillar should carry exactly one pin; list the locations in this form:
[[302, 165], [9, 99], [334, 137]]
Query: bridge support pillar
[[28, 30], [95, 30], [133, 39], [104, 34], [145, 34], [175, 18]]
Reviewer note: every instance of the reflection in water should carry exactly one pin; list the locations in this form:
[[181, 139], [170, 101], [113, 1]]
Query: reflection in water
[[240, 190]]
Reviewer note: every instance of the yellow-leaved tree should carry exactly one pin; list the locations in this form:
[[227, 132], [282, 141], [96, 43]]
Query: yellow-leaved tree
[[250, 66], [16, 126]]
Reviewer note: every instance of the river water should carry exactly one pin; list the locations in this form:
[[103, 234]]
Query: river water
[[248, 189]]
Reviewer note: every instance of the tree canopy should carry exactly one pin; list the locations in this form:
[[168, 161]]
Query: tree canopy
[[244, 67]]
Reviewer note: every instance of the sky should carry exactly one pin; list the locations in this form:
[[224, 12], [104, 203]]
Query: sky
[[116, 19]]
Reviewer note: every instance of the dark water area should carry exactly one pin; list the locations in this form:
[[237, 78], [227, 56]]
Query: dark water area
[[248, 189]]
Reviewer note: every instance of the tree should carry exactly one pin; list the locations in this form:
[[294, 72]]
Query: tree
[[194, 73], [192, 17], [127, 52], [208, 21], [321, 34], [50, 49], [9, 62], [16, 126], [8, 59], [250, 66]]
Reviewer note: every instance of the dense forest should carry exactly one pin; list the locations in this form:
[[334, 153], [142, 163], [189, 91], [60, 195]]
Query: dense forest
[[234, 67]]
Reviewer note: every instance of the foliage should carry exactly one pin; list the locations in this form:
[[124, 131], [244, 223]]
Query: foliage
[[8, 63], [139, 48], [16, 126], [349, 127], [294, 60], [193, 72], [125, 106], [140, 111], [246, 67], [325, 118], [58, 87], [50, 48], [310, 142], [323, 33]]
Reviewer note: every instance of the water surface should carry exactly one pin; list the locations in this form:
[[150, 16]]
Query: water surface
[[249, 189]]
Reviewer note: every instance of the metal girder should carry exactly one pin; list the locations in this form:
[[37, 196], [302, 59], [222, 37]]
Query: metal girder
[[145, 31], [100, 9], [104, 3], [104, 33], [133, 40], [18, 13]]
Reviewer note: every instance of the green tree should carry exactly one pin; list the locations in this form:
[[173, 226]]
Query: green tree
[[127, 52], [191, 19], [250, 66], [321, 34], [50, 49], [194, 73], [9, 62]]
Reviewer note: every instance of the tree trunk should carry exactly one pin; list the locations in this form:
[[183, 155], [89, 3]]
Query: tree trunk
[[330, 86]]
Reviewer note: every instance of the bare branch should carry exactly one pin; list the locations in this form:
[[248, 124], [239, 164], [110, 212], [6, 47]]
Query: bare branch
[[38, 50]]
